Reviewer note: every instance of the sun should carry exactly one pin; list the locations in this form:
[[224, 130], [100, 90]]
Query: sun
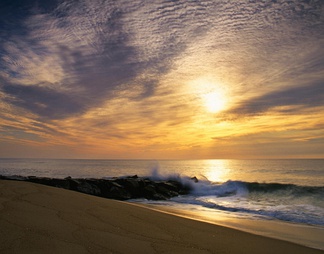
[[214, 101], [211, 93]]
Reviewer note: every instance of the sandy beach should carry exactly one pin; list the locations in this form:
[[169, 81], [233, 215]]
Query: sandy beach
[[42, 219]]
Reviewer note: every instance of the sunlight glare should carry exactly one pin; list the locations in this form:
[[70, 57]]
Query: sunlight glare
[[217, 170], [214, 101]]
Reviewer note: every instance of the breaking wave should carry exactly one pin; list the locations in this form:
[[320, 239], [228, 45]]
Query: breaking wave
[[286, 202], [230, 188]]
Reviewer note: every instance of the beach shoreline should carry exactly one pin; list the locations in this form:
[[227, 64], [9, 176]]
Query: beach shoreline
[[36, 219], [306, 235]]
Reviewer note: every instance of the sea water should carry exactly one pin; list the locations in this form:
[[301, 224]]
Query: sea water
[[263, 191]]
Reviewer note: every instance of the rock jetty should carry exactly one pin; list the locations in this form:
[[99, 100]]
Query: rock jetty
[[122, 188]]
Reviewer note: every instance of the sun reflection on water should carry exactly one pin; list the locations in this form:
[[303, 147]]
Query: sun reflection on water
[[217, 170]]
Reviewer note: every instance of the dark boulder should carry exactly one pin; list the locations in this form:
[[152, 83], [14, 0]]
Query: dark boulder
[[122, 188], [87, 187]]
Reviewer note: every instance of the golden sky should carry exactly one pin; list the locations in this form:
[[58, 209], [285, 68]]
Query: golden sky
[[162, 79]]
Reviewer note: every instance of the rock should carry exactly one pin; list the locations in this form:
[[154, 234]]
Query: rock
[[119, 193], [89, 188], [166, 192], [150, 192], [115, 188], [14, 177], [195, 179]]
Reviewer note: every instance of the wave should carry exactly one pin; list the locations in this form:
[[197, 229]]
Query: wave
[[230, 187], [295, 213], [286, 202], [205, 187], [286, 188]]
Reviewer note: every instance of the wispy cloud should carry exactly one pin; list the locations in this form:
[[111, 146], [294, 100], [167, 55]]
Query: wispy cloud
[[293, 100], [71, 69]]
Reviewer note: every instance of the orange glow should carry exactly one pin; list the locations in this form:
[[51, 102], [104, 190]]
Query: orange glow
[[180, 82], [214, 101], [218, 170]]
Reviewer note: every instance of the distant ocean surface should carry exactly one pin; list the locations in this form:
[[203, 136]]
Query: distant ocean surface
[[284, 190]]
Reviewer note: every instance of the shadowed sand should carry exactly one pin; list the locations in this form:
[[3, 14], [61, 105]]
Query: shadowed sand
[[41, 219]]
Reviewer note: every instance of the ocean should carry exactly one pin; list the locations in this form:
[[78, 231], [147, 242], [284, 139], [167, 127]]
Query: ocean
[[228, 192]]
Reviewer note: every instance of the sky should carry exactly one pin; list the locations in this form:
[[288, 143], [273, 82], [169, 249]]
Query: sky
[[177, 79]]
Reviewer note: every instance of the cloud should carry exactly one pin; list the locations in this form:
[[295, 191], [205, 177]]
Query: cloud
[[43, 101], [94, 48], [305, 97], [123, 70], [81, 47]]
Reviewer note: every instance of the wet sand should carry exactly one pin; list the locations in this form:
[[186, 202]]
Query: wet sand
[[307, 235], [41, 219]]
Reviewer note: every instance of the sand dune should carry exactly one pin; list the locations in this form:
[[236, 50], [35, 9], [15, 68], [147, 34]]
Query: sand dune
[[42, 219]]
